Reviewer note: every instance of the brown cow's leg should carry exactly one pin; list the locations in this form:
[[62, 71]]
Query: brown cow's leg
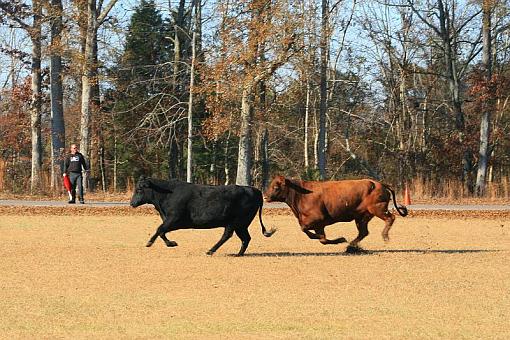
[[381, 210], [389, 218], [311, 235], [321, 235], [362, 225]]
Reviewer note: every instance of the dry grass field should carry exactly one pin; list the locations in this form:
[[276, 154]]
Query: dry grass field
[[91, 277]]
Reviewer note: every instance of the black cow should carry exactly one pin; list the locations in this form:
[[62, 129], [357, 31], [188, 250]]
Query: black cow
[[183, 205]]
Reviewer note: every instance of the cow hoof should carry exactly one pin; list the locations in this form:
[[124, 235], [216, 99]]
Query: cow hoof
[[209, 253], [149, 244], [341, 240], [171, 244]]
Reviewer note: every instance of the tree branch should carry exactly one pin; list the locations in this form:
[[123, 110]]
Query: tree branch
[[12, 12], [425, 21], [102, 17]]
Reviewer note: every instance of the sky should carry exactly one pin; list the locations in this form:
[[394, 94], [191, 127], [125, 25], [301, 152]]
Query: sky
[[18, 38], [122, 11], [355, 42]]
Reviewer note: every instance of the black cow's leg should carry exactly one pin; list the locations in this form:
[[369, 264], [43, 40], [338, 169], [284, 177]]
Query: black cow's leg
[[229, 231], [245, 237], [153, 237], [162, 230], [167, 241]]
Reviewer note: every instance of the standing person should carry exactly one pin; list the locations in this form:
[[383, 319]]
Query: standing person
[[73, 166]]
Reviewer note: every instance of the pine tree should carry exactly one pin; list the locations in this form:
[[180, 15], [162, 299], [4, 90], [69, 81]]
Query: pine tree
[[142, 90]]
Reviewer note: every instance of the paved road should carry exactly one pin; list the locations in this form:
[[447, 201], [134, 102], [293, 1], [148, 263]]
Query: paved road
[[464, 207], [20, 203]]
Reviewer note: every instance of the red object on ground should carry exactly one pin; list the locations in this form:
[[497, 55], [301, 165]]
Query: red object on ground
[[407, 196], [67, 185]]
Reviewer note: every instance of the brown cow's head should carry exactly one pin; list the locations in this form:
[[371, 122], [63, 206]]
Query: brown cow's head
[[277, 190]]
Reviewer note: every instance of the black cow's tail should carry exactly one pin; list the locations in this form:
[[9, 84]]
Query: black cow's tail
[[402, 210], [265, 232]]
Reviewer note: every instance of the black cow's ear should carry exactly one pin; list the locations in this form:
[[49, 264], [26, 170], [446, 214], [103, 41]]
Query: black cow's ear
[[142, 181]]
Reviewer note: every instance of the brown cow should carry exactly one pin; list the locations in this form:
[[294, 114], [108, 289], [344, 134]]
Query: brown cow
[[319, 204]]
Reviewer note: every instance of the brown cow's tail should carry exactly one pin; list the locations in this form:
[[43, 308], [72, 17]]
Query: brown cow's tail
[[402, 210], [264, 231]]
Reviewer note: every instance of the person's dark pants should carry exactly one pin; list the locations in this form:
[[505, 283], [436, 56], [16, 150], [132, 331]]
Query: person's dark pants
[[76, 183]]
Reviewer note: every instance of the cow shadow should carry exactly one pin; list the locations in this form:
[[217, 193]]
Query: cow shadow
[[364, 252]]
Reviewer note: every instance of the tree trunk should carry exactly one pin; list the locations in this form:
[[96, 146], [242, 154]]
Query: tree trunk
[[35, 102], [89, 81], [484, 153], [226, 158], [102, 169], [454, 87], [95, 108], [173, 156], [307, 114], [86, 83], [450, 63], [190, 127], [13, 74], [321, 152], [315, 138], [82, 25], [2, 174], [213, 178], [264, 153], [56, 95], [244, 158], [115, 161], [191, 89], [178, 27], [264, 142]]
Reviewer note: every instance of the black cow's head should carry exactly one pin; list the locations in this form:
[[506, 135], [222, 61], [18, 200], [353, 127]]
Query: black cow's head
[[277, 191], [142, 193]]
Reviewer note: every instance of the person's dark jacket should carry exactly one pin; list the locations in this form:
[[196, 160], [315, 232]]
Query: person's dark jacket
[[75, 163]]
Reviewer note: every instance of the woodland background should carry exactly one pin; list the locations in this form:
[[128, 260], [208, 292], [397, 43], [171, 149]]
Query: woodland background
[[407, 92]]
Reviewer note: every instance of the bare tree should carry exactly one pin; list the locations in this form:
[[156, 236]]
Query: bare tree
[[484, 152], [17, 12], [13, 41], [179, 36], [324, 61], [197, 23], [255, 72], [178, 40], [448, 28], [56, 92], [96, 16]]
